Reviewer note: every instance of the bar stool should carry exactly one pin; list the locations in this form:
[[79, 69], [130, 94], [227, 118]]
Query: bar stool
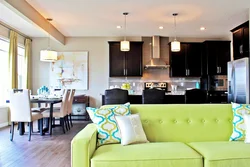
[[116, 96], [195, 96], [153, 96]]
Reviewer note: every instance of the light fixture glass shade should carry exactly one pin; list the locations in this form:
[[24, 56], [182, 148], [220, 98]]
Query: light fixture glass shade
[[48, 55], [125, 46], [175, 46]]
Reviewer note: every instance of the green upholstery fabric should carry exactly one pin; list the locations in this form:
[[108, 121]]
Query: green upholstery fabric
[[83, 146], [223, 154], [165, 154], [186, 122]]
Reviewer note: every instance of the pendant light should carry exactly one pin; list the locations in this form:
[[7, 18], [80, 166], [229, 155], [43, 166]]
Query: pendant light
[[48, 55], [175, 45], [125, 45]]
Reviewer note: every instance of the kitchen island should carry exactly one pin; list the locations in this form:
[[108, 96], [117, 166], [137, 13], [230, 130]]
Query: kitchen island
[[169, 99]]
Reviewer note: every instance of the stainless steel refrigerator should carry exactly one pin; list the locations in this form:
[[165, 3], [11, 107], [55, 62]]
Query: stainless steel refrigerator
[[238, 81]]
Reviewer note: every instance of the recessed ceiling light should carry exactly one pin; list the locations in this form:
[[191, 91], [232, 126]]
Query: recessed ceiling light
[[118, 27], [202, 28], [161, 27]]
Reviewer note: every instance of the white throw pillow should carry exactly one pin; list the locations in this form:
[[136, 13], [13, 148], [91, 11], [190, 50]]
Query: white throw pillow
[[247, 126], [131, 129]]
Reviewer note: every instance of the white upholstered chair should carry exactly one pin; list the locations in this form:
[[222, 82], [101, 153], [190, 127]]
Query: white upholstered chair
[[21, 111], [60, 112], [70, 102]]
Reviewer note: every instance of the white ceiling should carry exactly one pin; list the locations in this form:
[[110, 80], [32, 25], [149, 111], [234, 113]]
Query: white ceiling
[[100, 17], [19, 23]]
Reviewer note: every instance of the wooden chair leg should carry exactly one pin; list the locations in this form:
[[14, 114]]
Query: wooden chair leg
[[65, 122], [54, 121], [67, 118], [38, 125], [70, 120], [62, 124], [12, 131], [18, 126], [30, 129], [41, 126]]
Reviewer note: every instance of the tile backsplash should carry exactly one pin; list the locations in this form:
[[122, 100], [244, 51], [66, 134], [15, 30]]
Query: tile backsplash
[[155, 75]]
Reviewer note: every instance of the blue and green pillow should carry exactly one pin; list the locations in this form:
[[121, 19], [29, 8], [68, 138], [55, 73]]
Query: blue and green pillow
[[239, 130], [107, 127]]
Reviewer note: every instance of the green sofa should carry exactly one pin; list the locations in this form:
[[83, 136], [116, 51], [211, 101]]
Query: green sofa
[[186, 135]]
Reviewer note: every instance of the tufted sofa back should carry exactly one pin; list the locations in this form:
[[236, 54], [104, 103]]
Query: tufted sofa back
[[185, 122]]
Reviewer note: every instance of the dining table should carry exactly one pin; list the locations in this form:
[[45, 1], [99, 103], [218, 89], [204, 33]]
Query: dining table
[[39, 101]]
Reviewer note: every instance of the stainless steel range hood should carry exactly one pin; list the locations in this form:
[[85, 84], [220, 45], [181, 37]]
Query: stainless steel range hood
[[156, 62]]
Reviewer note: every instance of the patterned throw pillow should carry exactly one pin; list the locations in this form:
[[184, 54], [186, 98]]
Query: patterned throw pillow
[[104, 118], [239, 129], [247, 123], [120, 109]]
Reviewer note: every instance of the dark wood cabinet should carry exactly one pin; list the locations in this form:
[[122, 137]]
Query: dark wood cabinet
[[125, 63], [241, 41], [187, 62], [216, 54], [177, 62]]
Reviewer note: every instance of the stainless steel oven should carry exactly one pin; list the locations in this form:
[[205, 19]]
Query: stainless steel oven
[[219, 83]]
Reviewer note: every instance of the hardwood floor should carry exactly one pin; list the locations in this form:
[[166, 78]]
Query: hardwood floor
[[41, 151]]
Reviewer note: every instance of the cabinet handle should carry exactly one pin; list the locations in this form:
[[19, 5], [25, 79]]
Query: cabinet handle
[[124, 71], [218, 70], [186, 72]]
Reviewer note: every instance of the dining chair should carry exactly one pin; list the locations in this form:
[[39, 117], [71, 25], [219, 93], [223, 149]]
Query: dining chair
[[70, 102], [61, 112], [21, 111]]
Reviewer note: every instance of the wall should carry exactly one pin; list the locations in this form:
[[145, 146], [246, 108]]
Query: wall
[[4, 116], [98, 62], [4, 33]]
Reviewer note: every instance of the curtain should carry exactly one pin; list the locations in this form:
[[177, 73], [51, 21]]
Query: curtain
[[27, 56], [13, 60]]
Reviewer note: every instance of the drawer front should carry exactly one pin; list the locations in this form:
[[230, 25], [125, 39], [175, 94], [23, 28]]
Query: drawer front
[[83, 99], [78, 109]]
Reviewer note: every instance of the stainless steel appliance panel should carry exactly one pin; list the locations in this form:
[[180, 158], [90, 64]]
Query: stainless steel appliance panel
[[238, 81]]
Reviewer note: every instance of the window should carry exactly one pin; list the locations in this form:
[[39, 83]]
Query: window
[[20, 66], [4, 72], [4, 49]]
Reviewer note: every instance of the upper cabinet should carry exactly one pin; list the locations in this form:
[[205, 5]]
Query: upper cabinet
[[216, 54], [125, 63], [186, 62], [241, 41]]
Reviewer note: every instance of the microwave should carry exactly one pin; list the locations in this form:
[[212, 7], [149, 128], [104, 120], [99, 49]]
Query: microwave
[[219, 83]]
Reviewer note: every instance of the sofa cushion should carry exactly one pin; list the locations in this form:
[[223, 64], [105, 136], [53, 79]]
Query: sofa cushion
[[174, 154], [224, 153], [186, 122]]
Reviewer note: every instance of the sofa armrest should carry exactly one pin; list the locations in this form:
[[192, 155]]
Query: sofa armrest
[[83, 146]]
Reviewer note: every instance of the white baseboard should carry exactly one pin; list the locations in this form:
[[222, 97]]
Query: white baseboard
[[4, 124]]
